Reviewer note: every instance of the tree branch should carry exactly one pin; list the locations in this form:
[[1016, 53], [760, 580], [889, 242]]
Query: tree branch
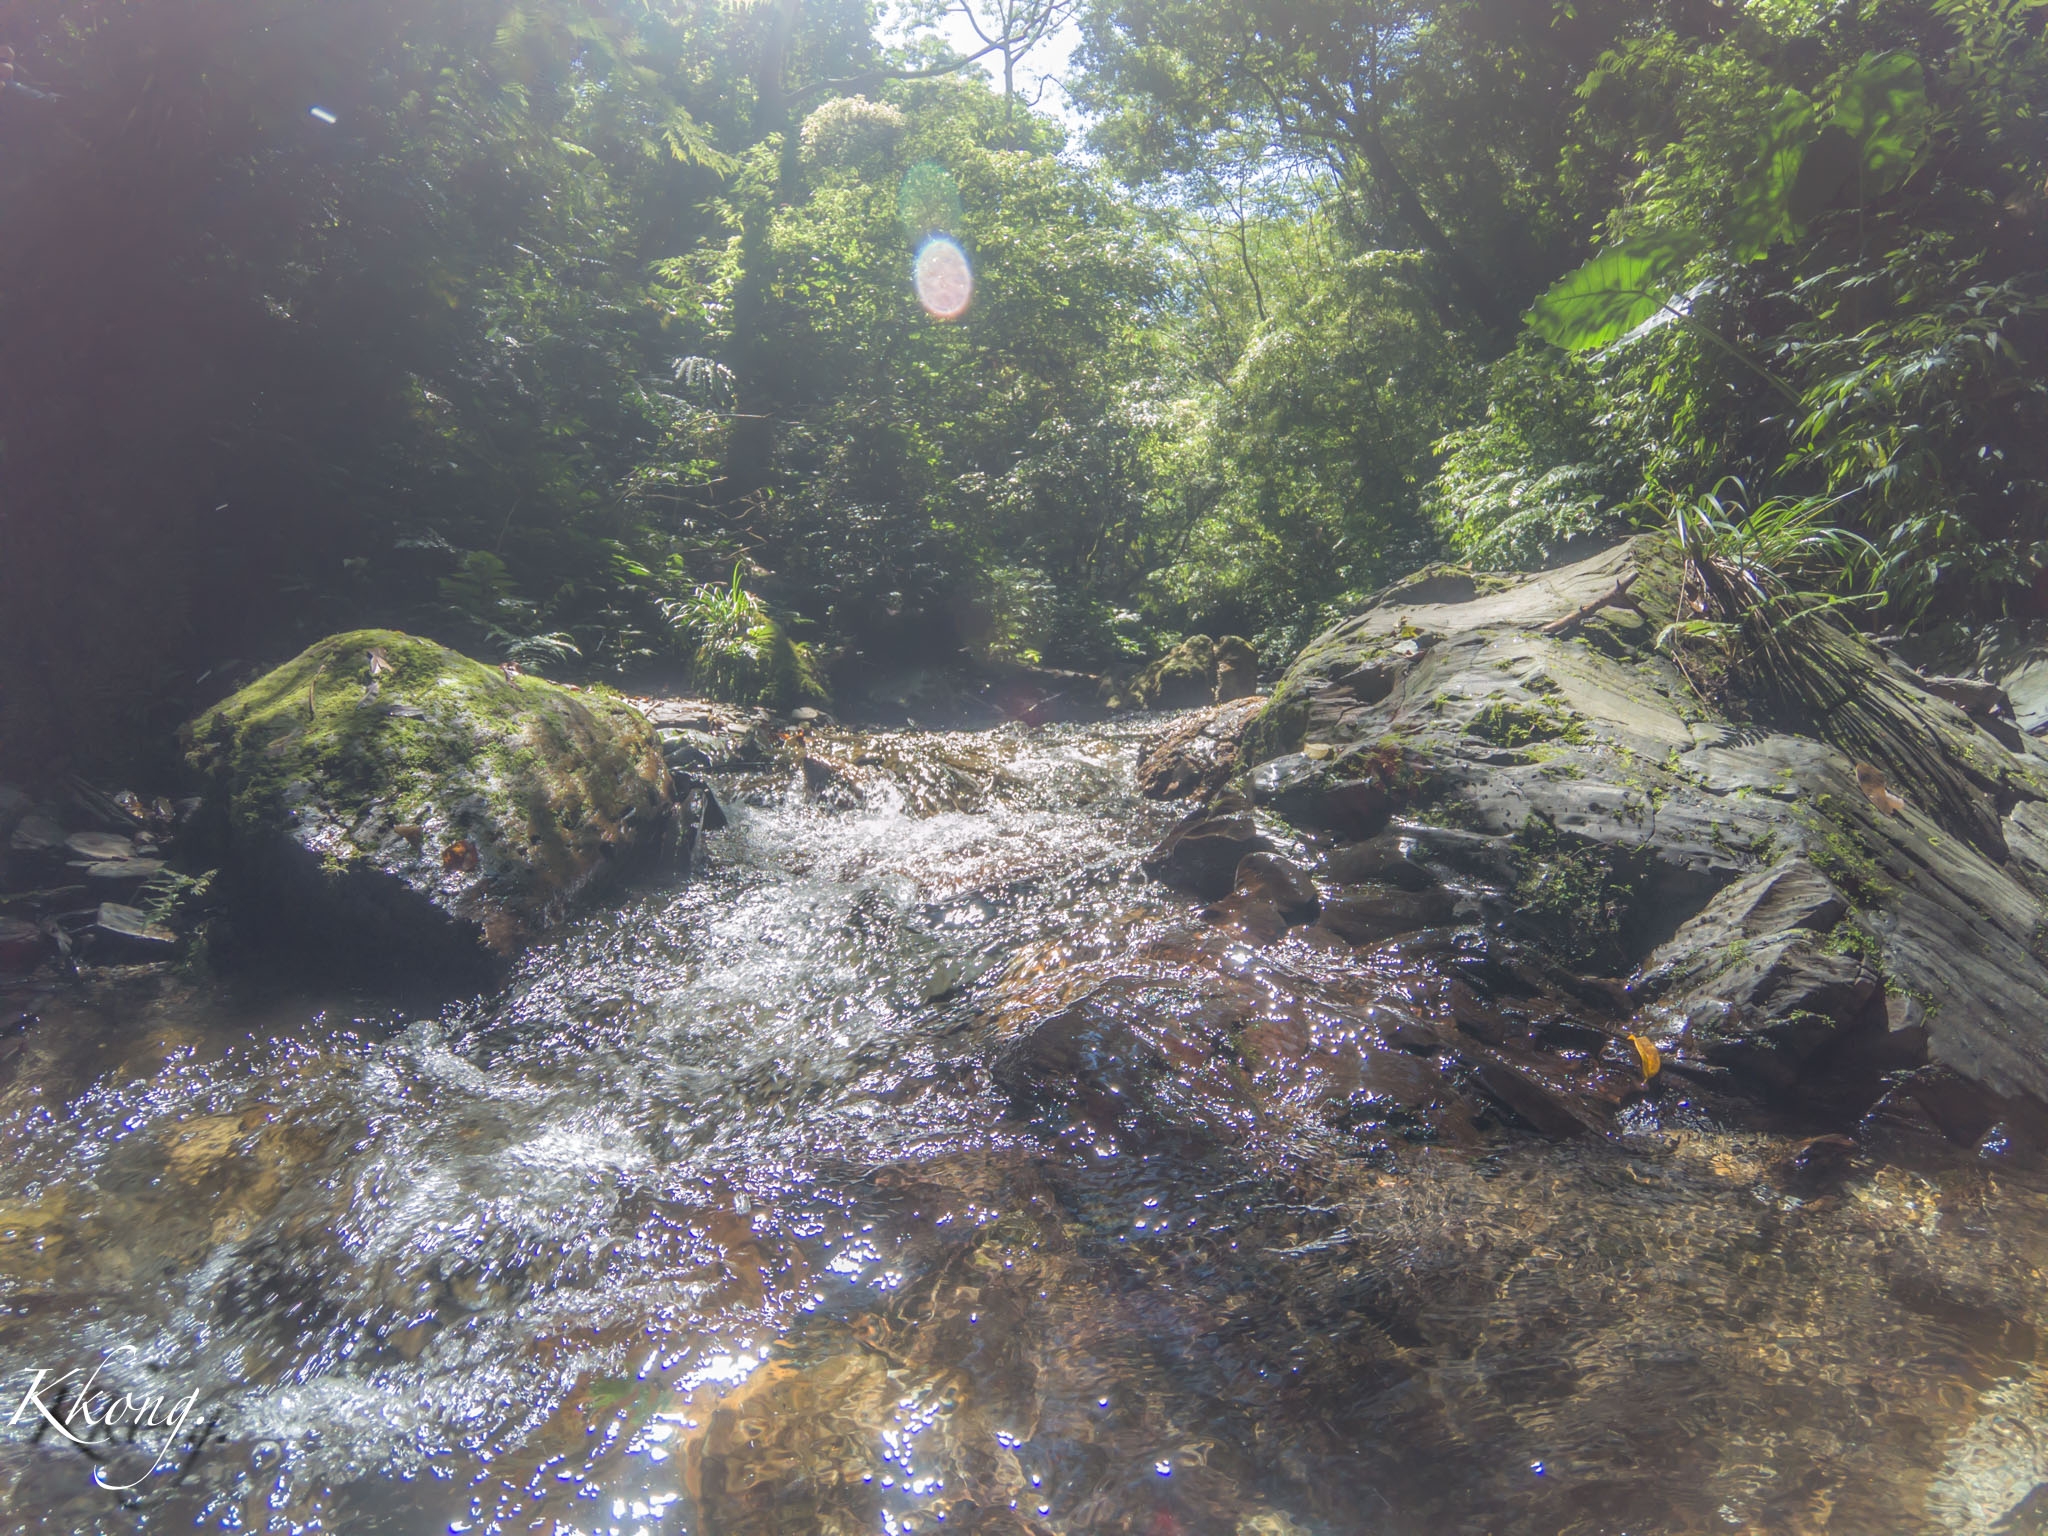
[[878, 76]]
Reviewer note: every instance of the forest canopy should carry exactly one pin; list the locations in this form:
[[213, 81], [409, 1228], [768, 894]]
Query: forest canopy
[[568, 331]]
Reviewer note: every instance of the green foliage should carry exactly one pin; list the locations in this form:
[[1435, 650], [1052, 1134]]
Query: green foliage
[[1857, 319], [1290, 463], [1882, 111], [1541, 471], [1750, 580], [1879, 127], [170, 896], [574, 308], [740, 653]]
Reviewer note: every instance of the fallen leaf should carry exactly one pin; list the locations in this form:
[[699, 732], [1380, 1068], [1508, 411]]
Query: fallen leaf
[[1316, 751], [1873, 782], [459, 857], [412, 832], [1648, 1055]]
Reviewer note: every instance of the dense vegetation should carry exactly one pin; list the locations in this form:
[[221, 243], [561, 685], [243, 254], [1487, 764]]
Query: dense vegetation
[[581, 332]]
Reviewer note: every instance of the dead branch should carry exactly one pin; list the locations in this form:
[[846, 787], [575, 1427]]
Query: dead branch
[[1615, 597]]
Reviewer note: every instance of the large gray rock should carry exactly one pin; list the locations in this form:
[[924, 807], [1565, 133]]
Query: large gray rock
[[388, 804], [1765, 904], [1754, 979]]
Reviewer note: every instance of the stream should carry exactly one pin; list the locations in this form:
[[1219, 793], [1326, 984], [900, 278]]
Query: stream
[[920, 1166]]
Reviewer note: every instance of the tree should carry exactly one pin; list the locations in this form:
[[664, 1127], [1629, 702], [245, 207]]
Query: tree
[[1448, 115], [1822, 282]]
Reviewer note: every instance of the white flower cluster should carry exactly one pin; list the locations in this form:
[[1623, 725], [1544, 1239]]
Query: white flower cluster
[[847, 128]]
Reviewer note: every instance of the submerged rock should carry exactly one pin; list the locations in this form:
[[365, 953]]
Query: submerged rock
[[1270, 895], [1367, 914], [408, 810], [1268, 877]]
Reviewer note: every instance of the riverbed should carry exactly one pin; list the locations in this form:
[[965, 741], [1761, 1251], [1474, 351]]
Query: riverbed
[[917, 1166]]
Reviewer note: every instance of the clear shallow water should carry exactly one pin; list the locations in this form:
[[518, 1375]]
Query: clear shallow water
[[918, 1168]]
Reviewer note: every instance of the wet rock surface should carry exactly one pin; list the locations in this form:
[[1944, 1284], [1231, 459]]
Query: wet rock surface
[[1202, 851], [397, 808], [1754, 980], [923, 1156], [1766, 908]]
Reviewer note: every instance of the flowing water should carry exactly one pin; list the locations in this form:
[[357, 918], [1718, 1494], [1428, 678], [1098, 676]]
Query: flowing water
[[919, 1167]]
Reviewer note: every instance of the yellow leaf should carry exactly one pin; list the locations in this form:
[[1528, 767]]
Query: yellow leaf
[[1647, 1054]]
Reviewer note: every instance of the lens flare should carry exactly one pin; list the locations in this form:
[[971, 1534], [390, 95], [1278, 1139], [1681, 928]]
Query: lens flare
[[945, 282]]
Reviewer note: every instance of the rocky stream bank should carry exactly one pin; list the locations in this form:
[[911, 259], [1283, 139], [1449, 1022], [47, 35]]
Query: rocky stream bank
[[1473, 1083]]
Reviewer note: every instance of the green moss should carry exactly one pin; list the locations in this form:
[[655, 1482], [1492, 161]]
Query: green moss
[[1452, 810], [1279, 728], [1854, 939], [1506, 723], [1443, 583], [423, 736], [1837, 853], [1575, 893]]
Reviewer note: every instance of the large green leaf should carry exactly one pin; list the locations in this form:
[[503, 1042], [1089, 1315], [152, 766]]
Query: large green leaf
[[1615, 292], [1763, 200], [1883, 107]]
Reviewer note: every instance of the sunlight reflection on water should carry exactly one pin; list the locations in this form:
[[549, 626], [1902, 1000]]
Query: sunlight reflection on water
[[719, 1216]]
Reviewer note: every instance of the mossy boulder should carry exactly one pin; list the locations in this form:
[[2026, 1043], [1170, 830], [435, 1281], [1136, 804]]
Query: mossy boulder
[[1198, 671], [406, 811], [1237, 669]]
